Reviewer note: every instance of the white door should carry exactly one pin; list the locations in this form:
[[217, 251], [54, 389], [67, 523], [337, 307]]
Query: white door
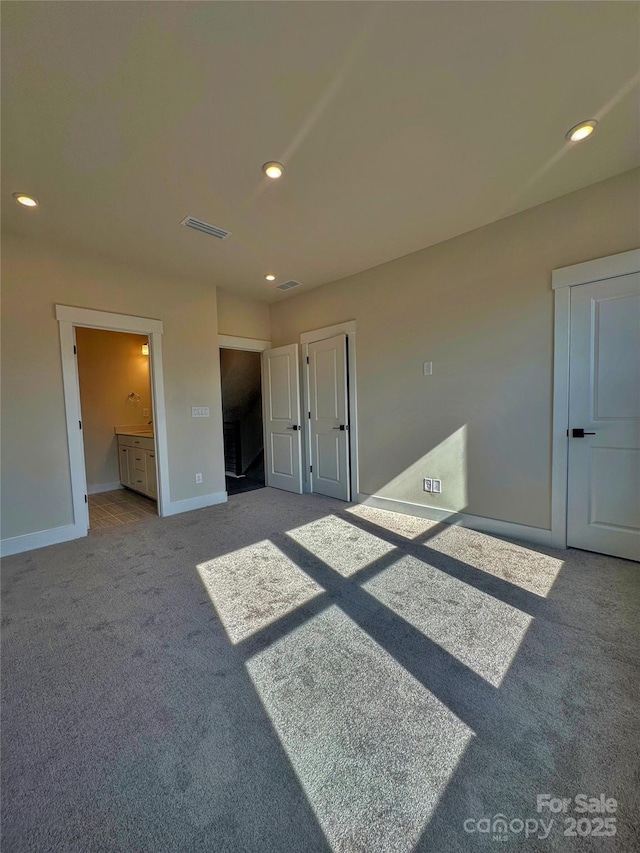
[[329, 425], [281, 403], [82, 459], [603, 511]]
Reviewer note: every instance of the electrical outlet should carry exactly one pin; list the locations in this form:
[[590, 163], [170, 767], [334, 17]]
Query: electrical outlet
[[198, 478], [427, 484], [436, 486], [199, 411], [427, 368]]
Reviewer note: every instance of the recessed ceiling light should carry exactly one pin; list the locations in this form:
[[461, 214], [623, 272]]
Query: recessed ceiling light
[[272, 169], [270, 277], [581, 131], [26, 200]]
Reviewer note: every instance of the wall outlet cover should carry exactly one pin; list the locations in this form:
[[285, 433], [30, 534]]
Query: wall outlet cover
[[436, 486], [427, 484], [199, 411], [427, 368], [198, 478]]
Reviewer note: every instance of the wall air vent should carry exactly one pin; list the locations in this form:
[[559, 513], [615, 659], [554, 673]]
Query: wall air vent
[[199, 225], [288, 285]]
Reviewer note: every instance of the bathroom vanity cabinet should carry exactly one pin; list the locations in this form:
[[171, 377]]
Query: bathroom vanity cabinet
[[137, 456]]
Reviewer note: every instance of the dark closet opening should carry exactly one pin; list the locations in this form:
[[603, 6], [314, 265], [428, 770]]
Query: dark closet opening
[[242, 417]]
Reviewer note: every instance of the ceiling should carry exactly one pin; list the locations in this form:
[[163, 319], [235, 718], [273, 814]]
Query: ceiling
[[400, 125]]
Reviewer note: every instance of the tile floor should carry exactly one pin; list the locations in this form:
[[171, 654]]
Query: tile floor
[[108, 509]]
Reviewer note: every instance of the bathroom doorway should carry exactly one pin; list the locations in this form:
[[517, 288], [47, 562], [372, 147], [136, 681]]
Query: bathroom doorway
[[117, 425]]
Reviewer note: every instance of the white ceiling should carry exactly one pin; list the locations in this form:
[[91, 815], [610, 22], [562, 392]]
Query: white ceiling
[[400, 125]]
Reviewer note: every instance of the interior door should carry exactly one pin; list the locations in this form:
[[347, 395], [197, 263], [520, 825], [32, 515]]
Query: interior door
[[329, 423], [83, 458], [603, 511], [281, 402]]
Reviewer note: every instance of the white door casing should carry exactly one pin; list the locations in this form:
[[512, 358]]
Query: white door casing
[[603, 508], [563, 281], [329, 422], [69, 317], [281, 415]]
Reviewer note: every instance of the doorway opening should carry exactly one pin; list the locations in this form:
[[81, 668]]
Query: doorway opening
[[117, 426], [240, 372], [69, 319]]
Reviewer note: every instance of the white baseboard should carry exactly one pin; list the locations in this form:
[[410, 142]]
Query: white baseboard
[[40, 539], [98, 488], [535, 535], [176, 507]]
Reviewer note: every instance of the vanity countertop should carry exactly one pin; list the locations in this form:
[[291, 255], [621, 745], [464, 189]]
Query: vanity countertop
[[133, 430]]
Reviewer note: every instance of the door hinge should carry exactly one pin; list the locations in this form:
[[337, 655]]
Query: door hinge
[[311, 469], [309, 415], [75, 350], [85, 499], [79, 424], [307, 359]]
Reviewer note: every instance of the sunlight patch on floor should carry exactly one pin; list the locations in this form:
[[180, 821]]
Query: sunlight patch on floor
[[407, 526], [252, 587], [479, 630], [340, 545], [524, 567], [373, 749]]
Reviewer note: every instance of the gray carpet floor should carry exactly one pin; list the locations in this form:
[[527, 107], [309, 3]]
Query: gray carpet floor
[[289, 673]]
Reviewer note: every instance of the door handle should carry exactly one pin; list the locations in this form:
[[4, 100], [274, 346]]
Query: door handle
[[294, 427], [580, 433], [342, 427]]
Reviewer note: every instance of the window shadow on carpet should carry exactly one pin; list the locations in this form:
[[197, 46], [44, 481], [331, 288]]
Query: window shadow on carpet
[[514, 699]]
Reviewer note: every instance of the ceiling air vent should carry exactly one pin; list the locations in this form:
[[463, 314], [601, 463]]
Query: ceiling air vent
[[199, 225], [288, 285]]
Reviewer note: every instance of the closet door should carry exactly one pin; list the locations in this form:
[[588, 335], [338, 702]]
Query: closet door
[[281, 404], [328, 415]]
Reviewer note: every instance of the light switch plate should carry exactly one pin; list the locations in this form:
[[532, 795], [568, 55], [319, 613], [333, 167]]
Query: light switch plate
[[199, 411], [436, 486]]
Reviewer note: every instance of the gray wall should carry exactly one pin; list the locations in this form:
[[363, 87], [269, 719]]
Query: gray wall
[[480, 307], [36, 487]]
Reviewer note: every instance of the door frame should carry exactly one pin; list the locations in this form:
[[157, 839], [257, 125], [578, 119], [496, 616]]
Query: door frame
[[562, 280], [347, 328], [68, 318], [248, 345]]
